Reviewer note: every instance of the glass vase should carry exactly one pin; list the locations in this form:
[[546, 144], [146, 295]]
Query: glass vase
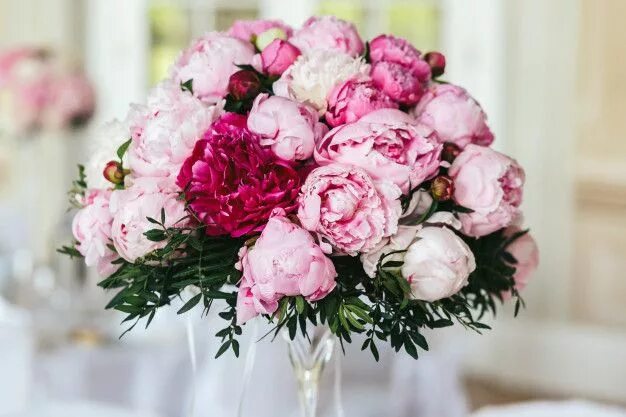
[[309, 355]]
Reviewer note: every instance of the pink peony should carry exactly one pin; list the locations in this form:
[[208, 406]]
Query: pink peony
[[328, 33], [490, 184], [354, 98], [388, 145], [277, 57], [232, 184], [246, 30], [437, 264], [398, 69], [347, 211], [284, 261], [209, 62], [525, 251], [455, 115], [130, 209], [91, 228], [72, 101], [398, 83], [165, 130], [289, 127]]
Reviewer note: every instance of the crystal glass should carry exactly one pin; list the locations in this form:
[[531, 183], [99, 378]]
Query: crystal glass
[[309, 355]]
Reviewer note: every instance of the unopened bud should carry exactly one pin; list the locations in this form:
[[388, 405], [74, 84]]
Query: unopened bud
[[442, 188], [450, 151], [113, 172], [437, 62], [244, 85]]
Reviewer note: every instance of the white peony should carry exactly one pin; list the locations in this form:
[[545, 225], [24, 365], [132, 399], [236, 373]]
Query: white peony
[[103, 148], [311, 78], [437, 264]]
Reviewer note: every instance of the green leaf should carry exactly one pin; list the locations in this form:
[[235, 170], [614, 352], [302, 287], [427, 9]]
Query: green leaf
[[190, 304], [223, 348], [187, 86], [121, 151], [300, 304]]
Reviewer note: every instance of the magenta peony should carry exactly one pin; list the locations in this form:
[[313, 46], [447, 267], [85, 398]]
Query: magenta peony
[[246, 30], [232, 184], [284, 261], [347, 210], [165, 130], [290, 128], [455, 115], [328, 33], [131, 208], [398, 69], [277, 57], [209, 62], [388, 145], [490, 184], [354, 98], [91, 228]]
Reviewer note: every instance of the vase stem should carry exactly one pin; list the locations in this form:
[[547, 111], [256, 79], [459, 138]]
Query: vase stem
[[308, 358]]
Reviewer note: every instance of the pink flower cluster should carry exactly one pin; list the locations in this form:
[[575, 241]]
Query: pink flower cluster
[[39, 93], [304, 146]]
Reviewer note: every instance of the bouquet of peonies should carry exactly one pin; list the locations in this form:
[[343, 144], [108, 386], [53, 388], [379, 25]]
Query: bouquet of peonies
[[306, 176], [36, 92]]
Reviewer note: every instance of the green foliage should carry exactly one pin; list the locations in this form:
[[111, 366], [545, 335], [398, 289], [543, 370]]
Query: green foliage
[[79, 186], [377, 309], [187, 86]]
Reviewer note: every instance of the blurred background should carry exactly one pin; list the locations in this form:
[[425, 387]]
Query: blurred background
[[550, 75]]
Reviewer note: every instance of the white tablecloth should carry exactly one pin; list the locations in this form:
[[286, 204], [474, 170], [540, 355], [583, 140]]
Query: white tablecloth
[[150, 372], [552, 409]]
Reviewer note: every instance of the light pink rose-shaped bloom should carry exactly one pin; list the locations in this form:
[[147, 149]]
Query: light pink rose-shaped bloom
[[353, 99], [165, 130], [490, 184], [347, 210], [328, 33], [91, 227], [284, 261], [130, 209], [437, 264], [525, 251], [247, 29], [387, 144], [455, 115], [276, 57], [209, 62], [398, 69], [290, 128]]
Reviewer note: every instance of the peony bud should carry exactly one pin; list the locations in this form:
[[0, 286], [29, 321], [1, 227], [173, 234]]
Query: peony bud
[[450, 151], [113, 172], [437, 63], [265, 38], [278, 56], [442, 188], [244, 85]]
